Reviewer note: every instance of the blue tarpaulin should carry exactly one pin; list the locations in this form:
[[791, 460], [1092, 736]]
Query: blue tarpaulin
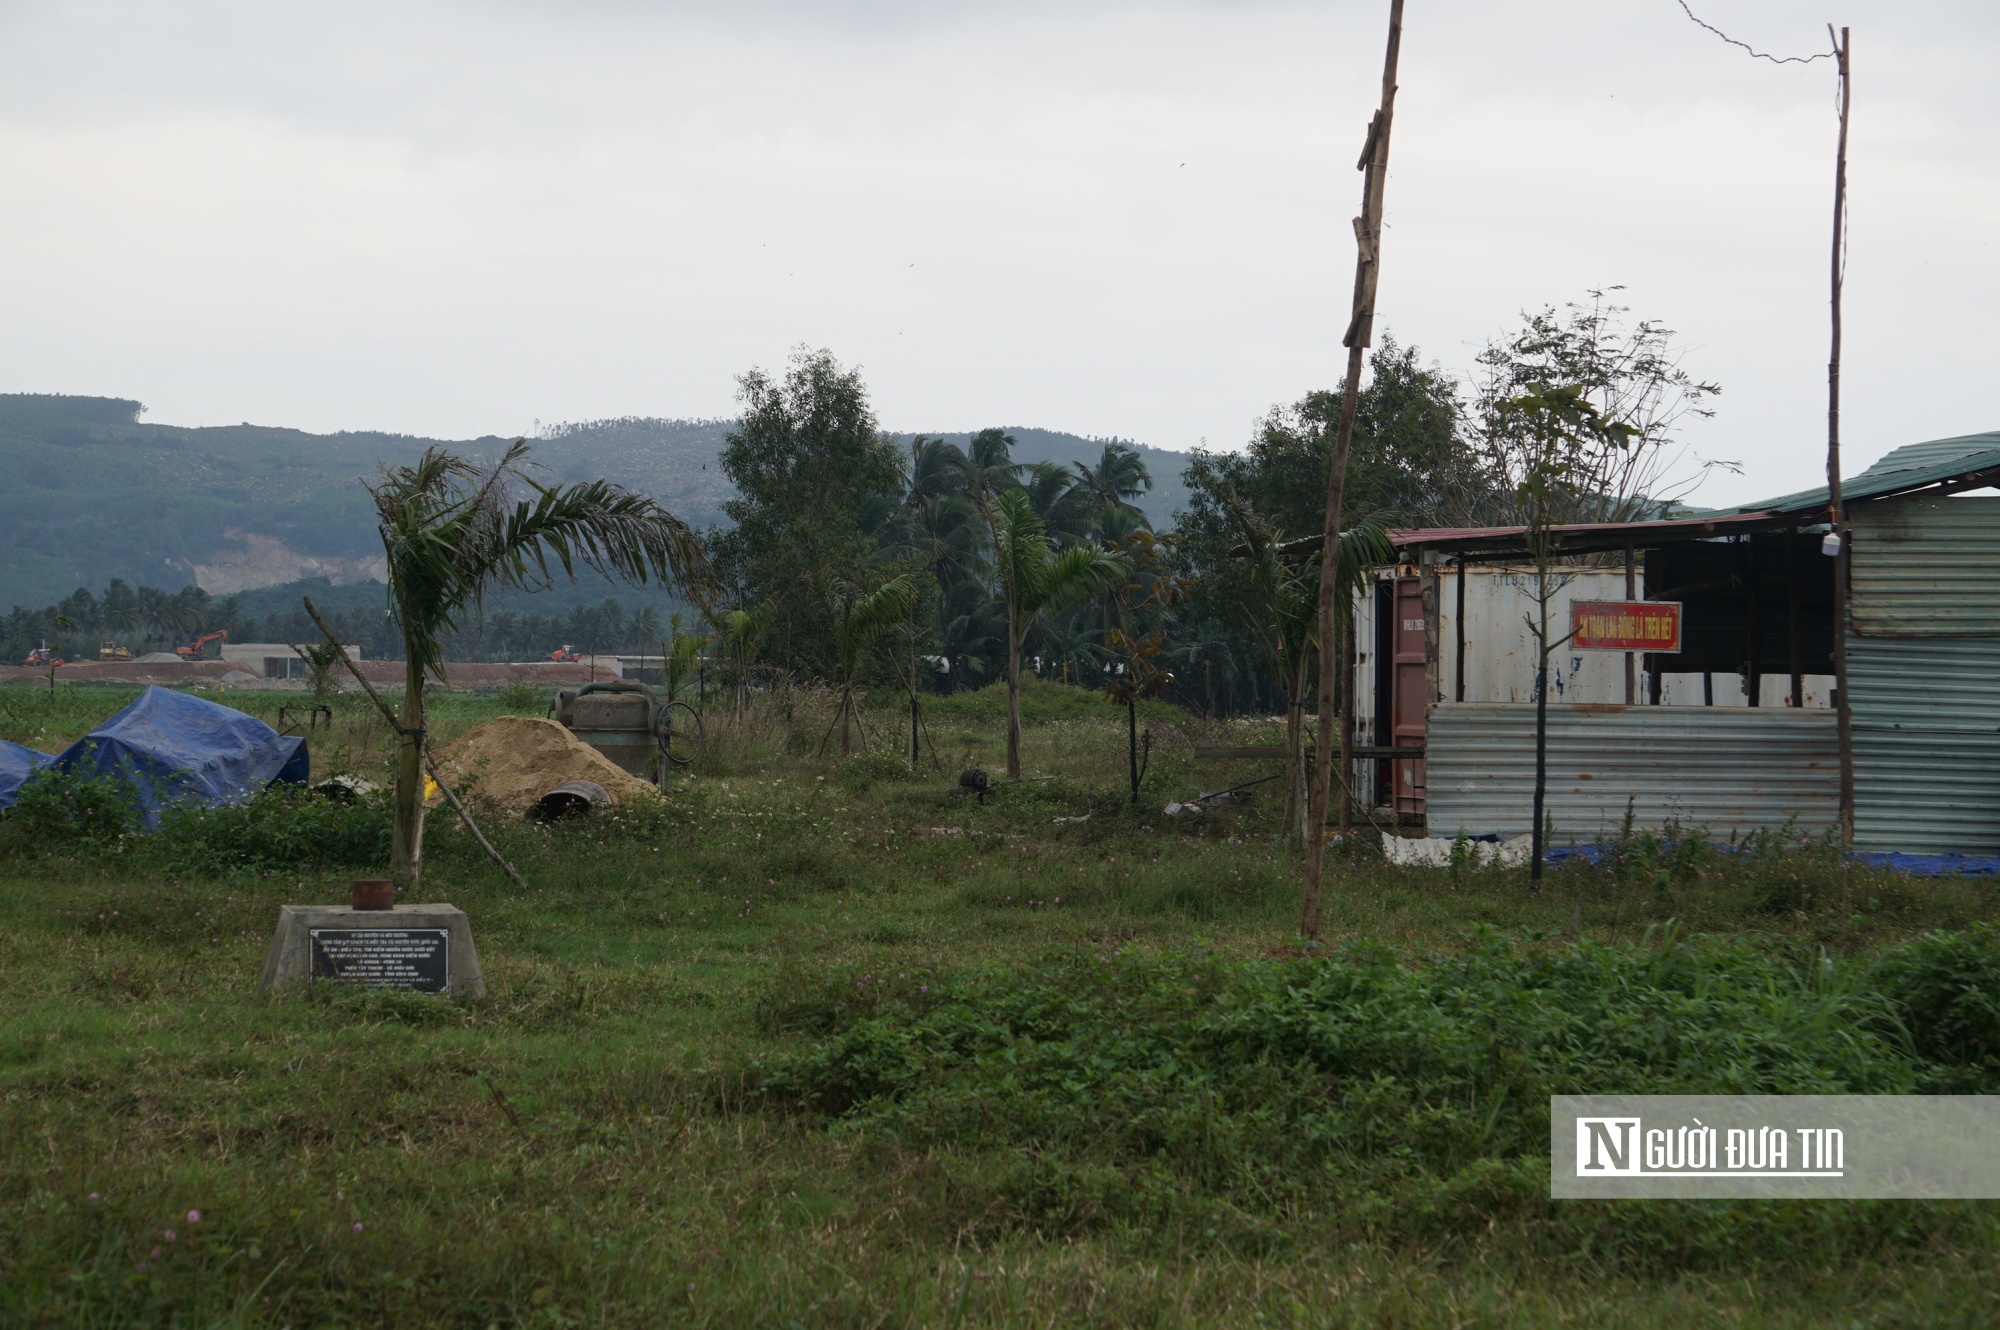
[[1916, 865], [16, 765], [175, 747]]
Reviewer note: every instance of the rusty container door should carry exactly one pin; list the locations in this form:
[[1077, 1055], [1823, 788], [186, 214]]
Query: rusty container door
[[1408, 701]]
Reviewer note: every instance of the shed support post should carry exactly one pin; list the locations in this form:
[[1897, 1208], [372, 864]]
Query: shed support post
[[1458, 634], [1631, 661]]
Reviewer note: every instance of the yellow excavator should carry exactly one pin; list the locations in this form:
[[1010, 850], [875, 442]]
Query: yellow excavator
[[112, 651]]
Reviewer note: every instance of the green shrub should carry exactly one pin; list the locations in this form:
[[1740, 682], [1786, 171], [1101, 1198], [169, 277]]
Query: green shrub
[[283, 827], [1946, 989], [1410, 1097], [65, 812]]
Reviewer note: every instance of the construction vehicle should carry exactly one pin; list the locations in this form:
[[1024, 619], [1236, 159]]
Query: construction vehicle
[[41, 655], [566, 654], [112, 651], [192, 651]]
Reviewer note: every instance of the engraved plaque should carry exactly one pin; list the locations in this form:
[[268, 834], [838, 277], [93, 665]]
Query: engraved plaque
[[413, 958]]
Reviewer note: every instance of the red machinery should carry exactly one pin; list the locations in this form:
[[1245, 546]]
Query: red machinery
[[192, 651]]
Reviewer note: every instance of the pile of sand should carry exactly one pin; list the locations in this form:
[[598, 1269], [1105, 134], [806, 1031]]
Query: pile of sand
[[518, 759]]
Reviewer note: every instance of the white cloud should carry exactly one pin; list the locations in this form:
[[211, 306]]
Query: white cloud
[[455, 219]]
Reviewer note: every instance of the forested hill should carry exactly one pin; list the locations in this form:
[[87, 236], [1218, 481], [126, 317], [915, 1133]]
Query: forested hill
[[92, 493]]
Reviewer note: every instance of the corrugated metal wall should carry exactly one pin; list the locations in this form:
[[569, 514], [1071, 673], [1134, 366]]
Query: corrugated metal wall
[[1725, 769], [1926, 567], [1926, 742]]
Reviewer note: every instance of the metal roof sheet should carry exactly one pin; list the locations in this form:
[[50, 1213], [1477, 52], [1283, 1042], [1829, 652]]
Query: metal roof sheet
[[1571, 534], [1910, 467]]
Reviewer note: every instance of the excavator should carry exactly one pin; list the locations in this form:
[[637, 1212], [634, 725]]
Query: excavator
[[113, 651], [566, 654], [192, 651]]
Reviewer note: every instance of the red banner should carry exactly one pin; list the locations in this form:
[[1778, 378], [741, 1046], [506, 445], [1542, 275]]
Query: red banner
[[1625, 625]]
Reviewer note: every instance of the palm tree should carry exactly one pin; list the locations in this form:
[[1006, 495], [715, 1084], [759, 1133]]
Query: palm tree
[[1119, 477], [1034, 577], [989, 464], [742, 638], [1285, 621], [857, 619], [452, 531]]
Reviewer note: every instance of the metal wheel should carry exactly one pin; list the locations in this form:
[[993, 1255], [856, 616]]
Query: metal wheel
[[680, 733]]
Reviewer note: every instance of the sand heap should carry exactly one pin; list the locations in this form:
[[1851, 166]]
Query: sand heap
[[518, 759]]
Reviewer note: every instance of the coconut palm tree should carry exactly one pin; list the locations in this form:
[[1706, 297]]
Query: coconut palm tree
[[1034, 578], [452, 531], [1119, 477], [989, 463]]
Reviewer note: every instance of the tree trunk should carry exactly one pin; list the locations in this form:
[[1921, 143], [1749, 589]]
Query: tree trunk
[[406, 852], [846, 710], [1132, 744], [1013, 695]]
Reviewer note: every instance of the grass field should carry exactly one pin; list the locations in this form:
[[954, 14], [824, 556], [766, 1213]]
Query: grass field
[[825, 1044]]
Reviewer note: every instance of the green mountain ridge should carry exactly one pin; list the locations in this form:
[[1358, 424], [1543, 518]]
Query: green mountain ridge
[[95, 493]]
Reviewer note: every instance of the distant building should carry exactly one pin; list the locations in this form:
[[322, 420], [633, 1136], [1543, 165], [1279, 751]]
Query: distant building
[[272, 660]]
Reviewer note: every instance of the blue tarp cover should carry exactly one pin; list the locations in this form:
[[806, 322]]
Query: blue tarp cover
[[1916, 865], [16, 765], [179, 747]]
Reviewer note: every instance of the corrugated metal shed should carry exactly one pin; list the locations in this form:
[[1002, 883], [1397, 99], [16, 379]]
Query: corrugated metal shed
[[1926, 743], [1927, 567], [1727, 770], [1907, 468]]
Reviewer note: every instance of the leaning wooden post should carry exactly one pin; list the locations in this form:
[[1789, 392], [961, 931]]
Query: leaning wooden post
[[429, 766], [1360, 334]]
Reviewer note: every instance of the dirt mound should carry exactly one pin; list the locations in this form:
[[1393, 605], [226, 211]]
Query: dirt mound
[[518, 759]]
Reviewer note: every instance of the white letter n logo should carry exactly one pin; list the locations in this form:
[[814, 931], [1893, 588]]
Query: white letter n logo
[[1607, 1147]]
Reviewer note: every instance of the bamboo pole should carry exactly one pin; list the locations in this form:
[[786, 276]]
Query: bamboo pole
[[1360, 334]]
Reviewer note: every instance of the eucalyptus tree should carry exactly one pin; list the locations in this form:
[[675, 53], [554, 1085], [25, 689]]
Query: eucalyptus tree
[[1034, 578], [452, 531], [1629, 375]]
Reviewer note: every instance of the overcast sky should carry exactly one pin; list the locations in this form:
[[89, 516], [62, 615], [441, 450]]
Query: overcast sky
[[1117, 219]]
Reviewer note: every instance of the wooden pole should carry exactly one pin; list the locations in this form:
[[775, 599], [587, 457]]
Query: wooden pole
[[1836, 507], [1360, 334]]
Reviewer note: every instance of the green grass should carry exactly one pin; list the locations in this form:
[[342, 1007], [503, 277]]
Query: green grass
[[822, 1043]]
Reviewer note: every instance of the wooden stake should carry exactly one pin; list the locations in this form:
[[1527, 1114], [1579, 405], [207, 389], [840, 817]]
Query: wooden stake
[[1360, 334], [444, 787]]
